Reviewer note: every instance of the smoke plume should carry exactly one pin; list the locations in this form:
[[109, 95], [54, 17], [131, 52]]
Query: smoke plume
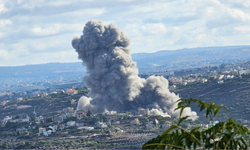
[[112, 75]]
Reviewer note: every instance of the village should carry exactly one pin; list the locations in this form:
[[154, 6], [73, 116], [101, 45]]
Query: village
[[53, 114]]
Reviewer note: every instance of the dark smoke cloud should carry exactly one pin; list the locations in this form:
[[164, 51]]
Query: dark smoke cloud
[[113, 76]]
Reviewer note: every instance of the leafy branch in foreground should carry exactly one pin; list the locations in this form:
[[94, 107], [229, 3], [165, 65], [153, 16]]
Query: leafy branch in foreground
[[223, 135]]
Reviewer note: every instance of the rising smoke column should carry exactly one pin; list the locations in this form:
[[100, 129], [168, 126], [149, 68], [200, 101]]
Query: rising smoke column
[[112, 76]]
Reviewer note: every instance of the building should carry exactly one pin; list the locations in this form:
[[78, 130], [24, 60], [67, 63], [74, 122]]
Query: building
[[135, 121], [32, 127], [80, 114], [53, 128], [156, 122], [6, 119], [73, 101], [142, 111], [61, 126], [19, 99], [71, 92], [39, 119], [101, 124], [88, 128], [110, 112], [47, 133], [118, 130], [245, 121], [80, 124], [213, 123], [25, 119], [4, 103], [71, 123], [244, 72], [117, 122], [220, 81], [69, 112], [43, 95], [41, 130], [14, 120]]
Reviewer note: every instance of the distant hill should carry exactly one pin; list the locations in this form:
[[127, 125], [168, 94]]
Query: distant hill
[[146, 62], [41, 70], [191, 58], [25, 78]]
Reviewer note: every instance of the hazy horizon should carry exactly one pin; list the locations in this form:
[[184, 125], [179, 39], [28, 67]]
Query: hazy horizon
[[79, 61]]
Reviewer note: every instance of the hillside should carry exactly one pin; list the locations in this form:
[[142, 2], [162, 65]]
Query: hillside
[[45, 106], [234, 94]]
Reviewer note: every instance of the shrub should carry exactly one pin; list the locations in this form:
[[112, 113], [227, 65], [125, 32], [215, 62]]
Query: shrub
[[223, 135]]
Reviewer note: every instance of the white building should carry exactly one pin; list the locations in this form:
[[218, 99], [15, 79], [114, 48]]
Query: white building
[[41, 130], [53, 128], [71, 123], [4, 103], [88, 128], [244, 72], [6, 119], [220, 81], [110, 112], [47, 133], [117, 122], [19, 98], [221, 77], [101, 125], [26, 119], [39, 119], [135, 121], [80, 124]]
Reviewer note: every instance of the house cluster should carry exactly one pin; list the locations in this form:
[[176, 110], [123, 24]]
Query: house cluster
[[3, 103], [47, 131], [110, 112], [100, 124], [219, 76], [151, 124], [6, 119], [135, 122], [185, 80]]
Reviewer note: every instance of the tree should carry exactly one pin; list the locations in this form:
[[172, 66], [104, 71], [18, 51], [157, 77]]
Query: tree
[[48, 120], [89, 113], [223, 135]]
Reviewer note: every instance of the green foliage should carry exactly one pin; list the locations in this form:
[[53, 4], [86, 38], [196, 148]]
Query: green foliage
[[89, 113], [48, 120], [224, 135]]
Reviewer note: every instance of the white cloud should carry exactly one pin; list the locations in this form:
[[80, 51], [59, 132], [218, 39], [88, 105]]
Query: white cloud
[[4, 54], [154, 28], [51, 30], [243, 29], [41, 31]]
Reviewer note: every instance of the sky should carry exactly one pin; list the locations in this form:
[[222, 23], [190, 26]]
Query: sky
[[40, 31]]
